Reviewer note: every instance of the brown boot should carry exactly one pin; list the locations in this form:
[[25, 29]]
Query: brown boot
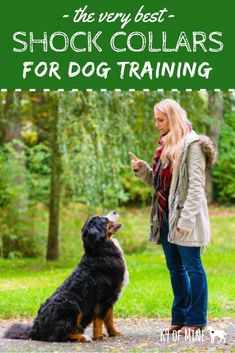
[[173, 328], [188, 330]]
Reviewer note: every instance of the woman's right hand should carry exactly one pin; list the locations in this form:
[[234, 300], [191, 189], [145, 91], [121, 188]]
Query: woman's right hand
[[136, 163]]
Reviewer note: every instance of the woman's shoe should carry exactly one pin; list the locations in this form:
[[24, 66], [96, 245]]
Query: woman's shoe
[[173, 328], [188, 330]]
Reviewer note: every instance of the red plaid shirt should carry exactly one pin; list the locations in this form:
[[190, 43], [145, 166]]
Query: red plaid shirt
[[162, 180]]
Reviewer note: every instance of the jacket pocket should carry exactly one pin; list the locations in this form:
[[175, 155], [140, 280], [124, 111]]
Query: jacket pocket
[[180, 206]]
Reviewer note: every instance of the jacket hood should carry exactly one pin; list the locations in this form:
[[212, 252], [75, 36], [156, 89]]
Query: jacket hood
[[207, 146]]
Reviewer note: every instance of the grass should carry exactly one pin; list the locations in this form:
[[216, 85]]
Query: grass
[[26, 283]]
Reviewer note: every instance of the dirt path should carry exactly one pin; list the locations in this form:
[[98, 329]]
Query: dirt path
[[138, 335]]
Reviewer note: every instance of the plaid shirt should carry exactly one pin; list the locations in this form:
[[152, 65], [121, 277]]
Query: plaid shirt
[[162, 180]]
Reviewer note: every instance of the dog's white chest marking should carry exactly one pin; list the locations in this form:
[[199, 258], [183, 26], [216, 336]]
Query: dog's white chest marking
[[126, 273]]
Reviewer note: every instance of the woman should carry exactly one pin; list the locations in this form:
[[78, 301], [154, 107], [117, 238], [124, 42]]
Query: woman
[[179, 217]]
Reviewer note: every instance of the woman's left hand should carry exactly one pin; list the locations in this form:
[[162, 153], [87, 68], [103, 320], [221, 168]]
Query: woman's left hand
[[182, 231]]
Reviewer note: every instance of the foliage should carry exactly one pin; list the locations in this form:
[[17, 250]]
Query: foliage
[[95, 139], [17, 196], [96, 132], [224, 171], [136, 191], [5, 190], [38, 173]]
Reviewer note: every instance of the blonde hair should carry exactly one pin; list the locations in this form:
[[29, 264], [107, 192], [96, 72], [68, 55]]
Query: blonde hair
[[179, 127]]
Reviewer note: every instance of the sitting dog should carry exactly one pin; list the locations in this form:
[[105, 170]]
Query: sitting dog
[[88, 294]]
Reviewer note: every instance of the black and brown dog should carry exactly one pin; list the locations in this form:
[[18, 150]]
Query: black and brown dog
[[88, 294]]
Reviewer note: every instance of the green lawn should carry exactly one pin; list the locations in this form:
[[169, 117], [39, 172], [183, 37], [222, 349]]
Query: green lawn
[[25, 283]]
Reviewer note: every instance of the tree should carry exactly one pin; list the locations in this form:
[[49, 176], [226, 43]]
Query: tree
[[215, 108], [224, 171], [54, 203]]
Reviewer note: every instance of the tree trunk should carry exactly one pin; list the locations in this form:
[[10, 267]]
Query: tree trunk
[[54, 203], [215, 108], [12, 126]]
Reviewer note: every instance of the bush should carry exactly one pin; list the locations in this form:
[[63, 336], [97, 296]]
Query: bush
[[136, 190], [22, 185], [224, 170]]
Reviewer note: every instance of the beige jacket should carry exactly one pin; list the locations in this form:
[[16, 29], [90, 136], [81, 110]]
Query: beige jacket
[[187, 199]]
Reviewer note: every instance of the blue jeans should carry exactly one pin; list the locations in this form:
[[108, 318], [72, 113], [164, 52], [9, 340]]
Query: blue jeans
[[188, 280]]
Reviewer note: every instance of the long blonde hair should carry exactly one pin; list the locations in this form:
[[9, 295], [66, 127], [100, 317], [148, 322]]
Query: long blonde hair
[[179, 127]]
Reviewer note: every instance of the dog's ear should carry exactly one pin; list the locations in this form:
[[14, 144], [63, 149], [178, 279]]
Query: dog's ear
[[93, 234], [97, 232]]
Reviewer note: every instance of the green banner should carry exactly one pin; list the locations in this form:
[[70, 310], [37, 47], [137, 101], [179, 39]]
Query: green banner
[[117, 45]]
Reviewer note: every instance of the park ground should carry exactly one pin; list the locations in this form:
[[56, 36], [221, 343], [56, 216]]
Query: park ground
[[138, 335]]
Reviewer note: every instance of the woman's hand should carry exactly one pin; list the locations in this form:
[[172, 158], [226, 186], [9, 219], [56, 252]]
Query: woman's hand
[[136, 163], [182, 231]]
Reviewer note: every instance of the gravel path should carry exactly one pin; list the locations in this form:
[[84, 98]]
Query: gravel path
[[138, 335]]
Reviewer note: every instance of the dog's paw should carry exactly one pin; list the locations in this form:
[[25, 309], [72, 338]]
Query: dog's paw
[[80, 337], [86, 338], [114, 333], [98, 338]]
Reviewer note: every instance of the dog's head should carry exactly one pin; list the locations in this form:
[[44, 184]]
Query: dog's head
[[97, 230]]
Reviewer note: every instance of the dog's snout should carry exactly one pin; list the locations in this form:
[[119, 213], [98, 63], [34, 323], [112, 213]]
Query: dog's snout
[[112, 216]]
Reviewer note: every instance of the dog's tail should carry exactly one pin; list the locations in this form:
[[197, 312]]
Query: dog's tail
[[18, 331]]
